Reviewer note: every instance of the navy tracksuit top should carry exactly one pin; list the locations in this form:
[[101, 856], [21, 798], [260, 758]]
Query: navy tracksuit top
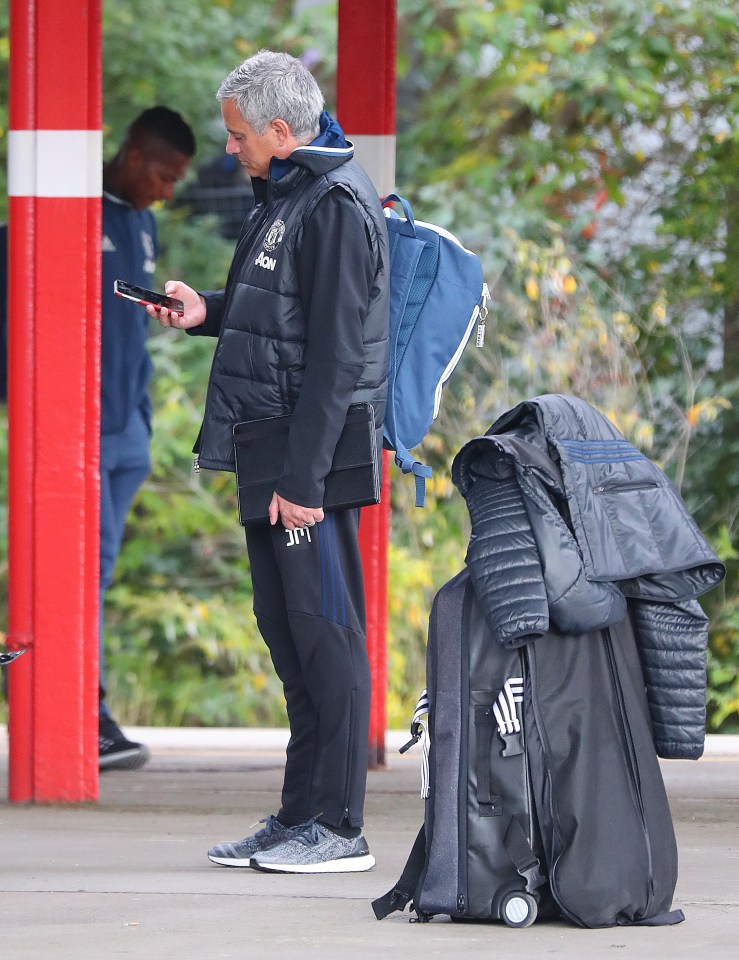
[[129, 252]]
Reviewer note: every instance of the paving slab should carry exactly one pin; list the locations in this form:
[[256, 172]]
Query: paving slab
[[128, 876]]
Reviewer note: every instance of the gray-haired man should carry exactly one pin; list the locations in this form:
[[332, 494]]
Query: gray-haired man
[[302, 328]]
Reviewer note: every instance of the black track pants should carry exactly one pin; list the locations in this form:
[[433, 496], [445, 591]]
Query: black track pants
[[309, 605]]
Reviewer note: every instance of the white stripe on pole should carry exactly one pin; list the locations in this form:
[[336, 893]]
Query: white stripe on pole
[[55, 163], [376, 153]]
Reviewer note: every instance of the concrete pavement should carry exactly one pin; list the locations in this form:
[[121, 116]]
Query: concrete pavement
[[128, 877]]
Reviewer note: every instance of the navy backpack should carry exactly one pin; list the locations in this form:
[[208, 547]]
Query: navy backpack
[[437, 296]]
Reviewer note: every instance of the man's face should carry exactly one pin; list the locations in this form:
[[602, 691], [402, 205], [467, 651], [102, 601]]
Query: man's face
[[155, 171], [254, 151]]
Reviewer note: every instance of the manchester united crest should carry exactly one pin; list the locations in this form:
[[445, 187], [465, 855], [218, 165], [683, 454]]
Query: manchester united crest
[[274, 235]]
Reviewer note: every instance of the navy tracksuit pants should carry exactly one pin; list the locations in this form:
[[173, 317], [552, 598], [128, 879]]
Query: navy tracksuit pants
[[309, 606], [124, 465]]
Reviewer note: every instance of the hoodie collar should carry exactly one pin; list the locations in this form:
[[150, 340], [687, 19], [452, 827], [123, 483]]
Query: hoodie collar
[[328, 150]]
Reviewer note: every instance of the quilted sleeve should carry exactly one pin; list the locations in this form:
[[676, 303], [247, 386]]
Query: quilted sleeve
[[672, 640], [504, 562]]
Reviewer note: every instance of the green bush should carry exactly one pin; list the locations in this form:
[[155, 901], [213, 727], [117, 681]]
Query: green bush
[[507, 143]]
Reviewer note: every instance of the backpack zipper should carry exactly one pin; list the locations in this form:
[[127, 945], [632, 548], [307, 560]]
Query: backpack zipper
[[480, 311], [480, 338]]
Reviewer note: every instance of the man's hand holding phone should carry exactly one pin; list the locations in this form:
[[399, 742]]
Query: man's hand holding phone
[[194, 307]]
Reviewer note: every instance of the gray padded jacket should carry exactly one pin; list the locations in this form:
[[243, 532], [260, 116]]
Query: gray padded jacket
[[573, 528]]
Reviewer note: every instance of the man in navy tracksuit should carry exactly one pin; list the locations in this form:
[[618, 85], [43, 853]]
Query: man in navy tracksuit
[[302, 328], [154, 155]]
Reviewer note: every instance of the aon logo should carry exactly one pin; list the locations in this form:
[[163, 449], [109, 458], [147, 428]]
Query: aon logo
[[269, 263]]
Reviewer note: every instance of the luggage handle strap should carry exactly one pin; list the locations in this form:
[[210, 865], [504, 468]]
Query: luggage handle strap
[[524, 859], [402, 893], [420, 731], [485, 725]]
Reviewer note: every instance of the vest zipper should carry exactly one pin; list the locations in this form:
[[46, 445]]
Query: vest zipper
[[227, 306]]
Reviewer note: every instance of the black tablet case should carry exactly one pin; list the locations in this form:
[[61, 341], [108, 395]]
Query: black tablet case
[[260, 447]]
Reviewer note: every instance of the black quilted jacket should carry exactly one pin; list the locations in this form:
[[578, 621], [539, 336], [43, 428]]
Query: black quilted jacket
[[573, 529]]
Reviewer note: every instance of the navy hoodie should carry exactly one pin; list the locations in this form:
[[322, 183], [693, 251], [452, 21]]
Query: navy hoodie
[[129, 252]]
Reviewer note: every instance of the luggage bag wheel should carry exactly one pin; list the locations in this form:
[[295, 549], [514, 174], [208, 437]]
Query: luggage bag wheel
[[518, 909]]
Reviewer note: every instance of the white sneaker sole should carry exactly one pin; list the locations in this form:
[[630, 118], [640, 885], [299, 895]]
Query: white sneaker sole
[[343, 865], [124, 759], [230, 861]]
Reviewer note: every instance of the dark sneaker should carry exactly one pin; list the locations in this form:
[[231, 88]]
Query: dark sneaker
[[316, 849], [238, 853], [116, 751]]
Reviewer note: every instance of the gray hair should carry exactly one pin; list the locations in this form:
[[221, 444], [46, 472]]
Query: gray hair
[[273, 85]]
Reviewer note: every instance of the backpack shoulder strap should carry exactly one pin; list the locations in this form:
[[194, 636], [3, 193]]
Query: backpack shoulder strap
[[402, 893], [408, 464]]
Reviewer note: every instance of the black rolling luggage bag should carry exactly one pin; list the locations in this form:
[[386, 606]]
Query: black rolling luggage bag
[[544, 790]]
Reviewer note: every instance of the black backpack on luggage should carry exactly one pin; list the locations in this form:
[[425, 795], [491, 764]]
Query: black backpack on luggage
[[544, 790]]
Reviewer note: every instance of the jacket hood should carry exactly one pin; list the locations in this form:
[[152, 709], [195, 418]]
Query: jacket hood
[[326, 152]]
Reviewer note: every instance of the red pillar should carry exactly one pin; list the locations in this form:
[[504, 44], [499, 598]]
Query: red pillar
[[365, 94], [54, 187]]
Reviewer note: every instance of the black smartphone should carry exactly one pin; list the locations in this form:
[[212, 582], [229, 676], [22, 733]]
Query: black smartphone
[[147, 297]]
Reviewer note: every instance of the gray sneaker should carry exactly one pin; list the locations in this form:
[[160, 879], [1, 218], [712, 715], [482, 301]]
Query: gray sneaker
[[238, 853], [314, 848]]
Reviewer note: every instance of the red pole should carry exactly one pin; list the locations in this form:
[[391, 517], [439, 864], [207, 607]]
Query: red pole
[[365, 94], [93, 344], [21, 230], [374, 534], [54, 187]]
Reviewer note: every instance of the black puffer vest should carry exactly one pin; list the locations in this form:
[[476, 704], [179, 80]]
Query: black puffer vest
[[260, 357]]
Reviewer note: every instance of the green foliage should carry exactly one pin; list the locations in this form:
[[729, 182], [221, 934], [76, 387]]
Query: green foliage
[[182, 68], [723, 652], [588, 152], [590, 113]]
